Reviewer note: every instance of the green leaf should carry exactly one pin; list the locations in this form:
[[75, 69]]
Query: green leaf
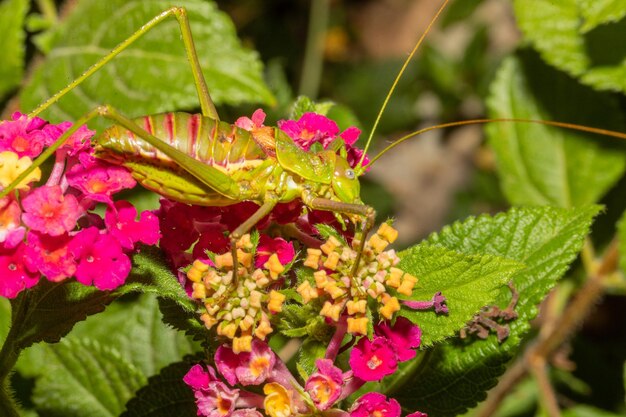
[[304, 104], [135, 329], [12, 13], [152, 75], [309, 352], [544, 165], [82, 378], [469, 282], [621, 236], [587, 411], [165, 395], [456, 375], [50, 310], [583, 39]]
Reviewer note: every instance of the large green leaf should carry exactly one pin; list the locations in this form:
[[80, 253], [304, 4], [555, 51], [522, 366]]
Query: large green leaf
[[584, 37], [12, 13], [83, 378], [545, 165], [165, 395], [469, 282], [152, 75], [455, 375]]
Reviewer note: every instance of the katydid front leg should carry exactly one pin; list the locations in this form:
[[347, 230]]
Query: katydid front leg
[[368, 213]]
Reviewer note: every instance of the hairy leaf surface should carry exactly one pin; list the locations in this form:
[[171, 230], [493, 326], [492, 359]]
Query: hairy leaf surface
[[584, 38], [469, 282], [543, 165], [82, 378], [455, 376], [12, 13], [152, 75]]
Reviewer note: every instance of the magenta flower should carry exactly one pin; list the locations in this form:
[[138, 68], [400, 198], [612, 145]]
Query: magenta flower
[[14, 276], [325, 385], [372, 360], [249, 412], [77, 142], [48, 210], [120, 221], [11, 230], [309, 129], [247, 123], [268, 246], [22, 135], [417, 414], [100, 259], [404, 336], [213, 397], [374, 404], [97, 179], [50, 255], [314, 128], [246, 368]]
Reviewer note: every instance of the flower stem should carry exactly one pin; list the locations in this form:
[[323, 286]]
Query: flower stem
[[10, 353], [335, 342], [313, 62], [7, 405]]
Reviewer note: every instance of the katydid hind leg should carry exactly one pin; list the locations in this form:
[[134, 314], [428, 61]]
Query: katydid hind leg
[[206, 104]]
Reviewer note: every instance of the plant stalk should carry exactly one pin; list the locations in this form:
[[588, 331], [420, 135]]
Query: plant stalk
[[314, 53]]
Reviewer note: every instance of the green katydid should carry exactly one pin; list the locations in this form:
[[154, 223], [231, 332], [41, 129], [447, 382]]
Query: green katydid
[[226, 165]]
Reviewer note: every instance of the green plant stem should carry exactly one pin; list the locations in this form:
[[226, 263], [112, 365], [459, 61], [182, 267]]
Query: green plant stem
[[569, 320], [313, 56], [7, 405], [48, 10]]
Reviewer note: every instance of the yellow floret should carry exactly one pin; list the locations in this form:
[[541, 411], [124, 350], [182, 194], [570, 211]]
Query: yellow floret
[[408, 282], [312, 258], [208, 320], [355, 307], [357, 325], [11, 166], [242, 344], [332, 311], [387, 232], [390, 306], [377, 243], [275, 303], [263, 329], [274, 266], [224, 261], [332, 261], [394, 277], [199, 291], [321, 279], [330, 245]]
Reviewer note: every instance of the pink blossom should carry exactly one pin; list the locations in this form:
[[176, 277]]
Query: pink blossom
[[268, 246], [48, 210], [404, 336], [97, 179], [121, 223], [11, 229], [246, 368], [22, 135], [50, 255], [14, 276], [417, 414], [77, 142], [325, 385], [309, 129], [372, 360], [374, 404], [213, 397], [100, 259], [247, 412], [258, 117]]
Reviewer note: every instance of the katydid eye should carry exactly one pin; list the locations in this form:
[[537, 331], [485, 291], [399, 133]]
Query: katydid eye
[[350, 174]]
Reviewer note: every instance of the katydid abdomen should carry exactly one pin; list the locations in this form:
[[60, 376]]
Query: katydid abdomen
[[230, 150]]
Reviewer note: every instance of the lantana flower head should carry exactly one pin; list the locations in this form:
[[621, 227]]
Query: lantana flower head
[[121, 223], [213, 397], [325, 385], [22, 135], [374, 404], [50, 255], [372, 360], [14, 275], [246, 368], [404, 336], [48, 210], [11, 166]]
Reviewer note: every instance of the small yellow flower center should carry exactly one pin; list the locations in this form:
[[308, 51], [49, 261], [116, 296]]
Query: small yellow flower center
[[374, 362]]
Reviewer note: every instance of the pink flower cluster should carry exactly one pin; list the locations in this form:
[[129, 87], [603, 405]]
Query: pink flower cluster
[[51, 230], [284, 396]]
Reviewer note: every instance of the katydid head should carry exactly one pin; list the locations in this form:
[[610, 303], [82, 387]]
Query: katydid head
[[345, 182]]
